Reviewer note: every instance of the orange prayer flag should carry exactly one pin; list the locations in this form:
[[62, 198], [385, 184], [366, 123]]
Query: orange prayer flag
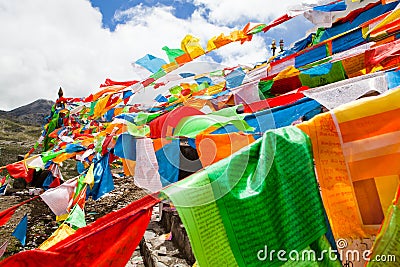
[[214, 147]]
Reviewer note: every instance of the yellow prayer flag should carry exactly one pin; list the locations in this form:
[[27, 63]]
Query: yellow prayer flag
[[192, 47], [288, 72], [60, 234], [89, 178], [62, 217], [99, 109]]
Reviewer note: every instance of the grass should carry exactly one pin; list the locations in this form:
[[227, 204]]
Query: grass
[[16, 139]]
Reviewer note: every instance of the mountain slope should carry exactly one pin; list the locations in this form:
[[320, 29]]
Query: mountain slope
[[30, 114]]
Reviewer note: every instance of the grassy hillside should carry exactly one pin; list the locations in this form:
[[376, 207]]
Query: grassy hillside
[[16, 139]]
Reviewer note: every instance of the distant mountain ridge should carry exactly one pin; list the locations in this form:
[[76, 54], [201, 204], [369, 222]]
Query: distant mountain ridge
[[30, 114]]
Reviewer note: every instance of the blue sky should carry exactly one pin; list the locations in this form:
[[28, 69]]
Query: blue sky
[[108, 9], [184, 10], [77, 44]]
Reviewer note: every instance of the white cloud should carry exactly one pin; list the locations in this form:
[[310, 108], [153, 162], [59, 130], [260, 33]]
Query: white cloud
[[47, 44], [233, 11]]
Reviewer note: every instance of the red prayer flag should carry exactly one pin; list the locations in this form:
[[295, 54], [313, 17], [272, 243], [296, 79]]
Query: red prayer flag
[[80, 199], [5, 215], [159, 126], [281, 100], [109, 241], [19, 170], [56, 182], [109, 82], [277, 21]]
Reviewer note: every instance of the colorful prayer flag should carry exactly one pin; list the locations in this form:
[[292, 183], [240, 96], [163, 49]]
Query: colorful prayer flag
[[61, 233], [352, 147], [76, 218], [19, 170], [6, 215], [109, 241], [58, 198], [20, 230], [265, 195], [103, 181]]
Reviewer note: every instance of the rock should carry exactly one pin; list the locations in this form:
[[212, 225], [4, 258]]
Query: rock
[[160, 264], [19, 183], [162, 251]]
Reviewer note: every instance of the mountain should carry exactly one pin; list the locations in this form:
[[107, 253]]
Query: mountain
[[30, 114]]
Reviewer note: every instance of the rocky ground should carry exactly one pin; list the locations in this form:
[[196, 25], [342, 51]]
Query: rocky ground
[[42, 222]]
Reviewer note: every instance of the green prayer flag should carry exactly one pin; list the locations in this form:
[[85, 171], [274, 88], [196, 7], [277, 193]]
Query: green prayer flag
[[50, 128], [158, 74], [173, 53], [386, 249], [335, 74], [143, 118], [217, 73], [263, 197], [193, 125], [257, 29], [79, 185], [134, 130], [317, 37], [265, 87], [198, 211], [49, 155], [175, 90], [202, 86], [99, 143], [76, 217], [92, 106]]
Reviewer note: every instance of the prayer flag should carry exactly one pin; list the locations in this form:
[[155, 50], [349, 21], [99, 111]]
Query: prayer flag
[[357, 162], [265, 195], [19, 170], [89, 177], [214, 147], [58, 198], [20, 230], [103, 181], [151, 63], [168, 162], [386, 244], [146, 168], [3, 248], [6, 215], [61, 233], [191, 46], [76, 217], [3, 189], [109, 241]]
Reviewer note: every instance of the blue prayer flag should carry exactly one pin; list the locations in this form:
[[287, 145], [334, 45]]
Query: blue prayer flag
[[151, 63], [235, 78], [20, 230], [3, 189], [125, 147], [168, 162], [103, 181]]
